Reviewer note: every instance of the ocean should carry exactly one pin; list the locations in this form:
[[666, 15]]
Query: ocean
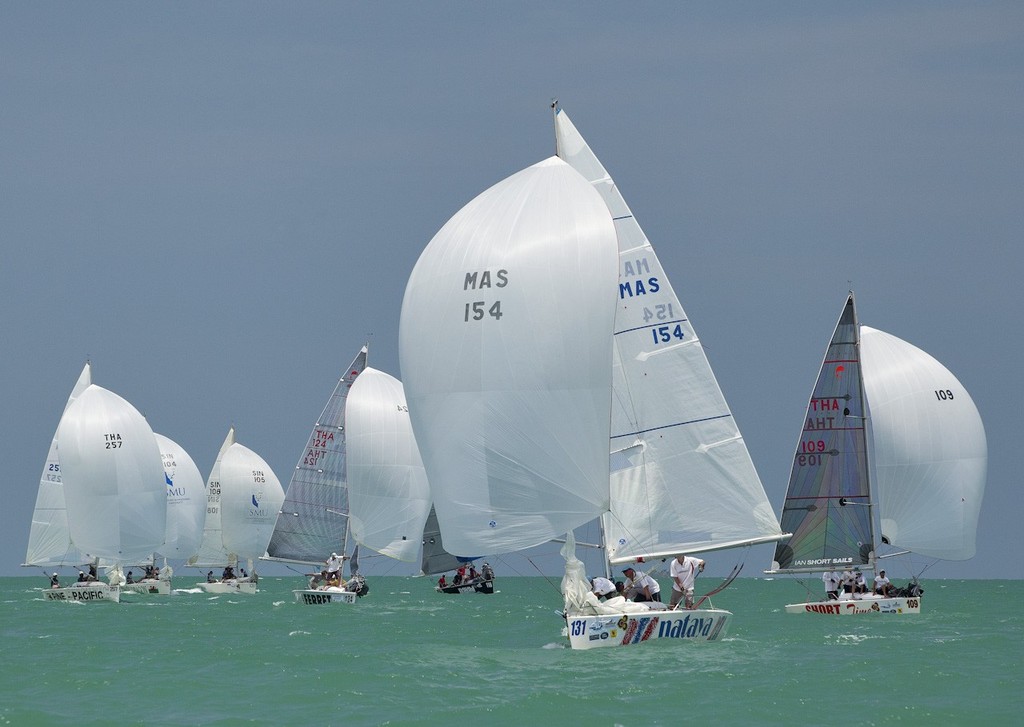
[[405, 655]]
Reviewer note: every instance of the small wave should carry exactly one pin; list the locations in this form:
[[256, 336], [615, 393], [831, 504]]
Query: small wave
[[299, 633]]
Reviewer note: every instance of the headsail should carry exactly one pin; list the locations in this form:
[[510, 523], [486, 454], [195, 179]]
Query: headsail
[[49, 539], [928, 449], [828, 502], [681, 476], [388, 488], [505, 345], [314, 519]]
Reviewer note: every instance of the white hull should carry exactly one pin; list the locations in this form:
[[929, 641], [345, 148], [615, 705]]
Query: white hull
[[91, 592], [627, 629], [156, 588], [854, 606], [320, 596], [246, 587]]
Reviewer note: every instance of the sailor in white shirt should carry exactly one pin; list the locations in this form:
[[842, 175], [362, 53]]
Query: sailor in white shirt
[[640, 586]]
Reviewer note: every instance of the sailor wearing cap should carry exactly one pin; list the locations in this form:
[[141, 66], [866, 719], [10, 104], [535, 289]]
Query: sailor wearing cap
[[640, 586]]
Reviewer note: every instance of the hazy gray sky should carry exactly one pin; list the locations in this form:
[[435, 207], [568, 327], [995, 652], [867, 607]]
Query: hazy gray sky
[[218, 203]]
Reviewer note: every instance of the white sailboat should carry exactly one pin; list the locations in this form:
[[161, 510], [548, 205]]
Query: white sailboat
[[186, 514], [113, 488], [434, 559], [244, 498], [531, 310], [314, 520], [892, 452]]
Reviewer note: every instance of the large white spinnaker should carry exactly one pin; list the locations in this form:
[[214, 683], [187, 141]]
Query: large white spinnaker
[[186, 500], [389, 495], [251, 498], [928, 449], [49, 539], [505, 346], [113, 478]]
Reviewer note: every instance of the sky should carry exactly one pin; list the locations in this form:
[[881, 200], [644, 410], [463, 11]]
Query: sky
[[217, 204]]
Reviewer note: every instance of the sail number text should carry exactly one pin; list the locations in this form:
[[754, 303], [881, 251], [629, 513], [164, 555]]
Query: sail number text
[[112, 441], [943, 394], [477, 310]]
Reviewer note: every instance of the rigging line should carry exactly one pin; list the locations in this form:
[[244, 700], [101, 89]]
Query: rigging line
[[724, 584], [544, 575]]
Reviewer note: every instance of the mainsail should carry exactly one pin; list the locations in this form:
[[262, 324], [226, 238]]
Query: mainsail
[[505, 346], [682, 479], [828, 502], [314, 519], [434, 558], [49, 539], [211, 551], [388, 489]]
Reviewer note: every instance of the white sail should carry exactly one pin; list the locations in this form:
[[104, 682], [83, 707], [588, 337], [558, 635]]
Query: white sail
[[505, 346], [682, 478], [113, 478], [251, 498], [211, 549], [389, 495], [186, 500], [928, 449], [49, 539], [314, 519]]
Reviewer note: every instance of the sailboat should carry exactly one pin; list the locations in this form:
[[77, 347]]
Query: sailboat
[[891, 440], [186, 514], [314, 520], [434, 559], [244, 497], [536, 318], [113, 488]]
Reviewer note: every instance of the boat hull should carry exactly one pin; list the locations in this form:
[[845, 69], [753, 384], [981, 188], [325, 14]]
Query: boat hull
[[854, 607], [85, 594], [156, 588], [628, 629], [246, 587], [472, 587], [317, 597]]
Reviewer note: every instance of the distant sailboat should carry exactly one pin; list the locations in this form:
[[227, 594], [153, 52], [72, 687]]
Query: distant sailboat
[[314, 520], [888, 429], [186, 513], [244, 498], [435, 559]]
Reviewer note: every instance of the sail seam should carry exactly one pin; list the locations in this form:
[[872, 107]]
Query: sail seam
[[670, 426]]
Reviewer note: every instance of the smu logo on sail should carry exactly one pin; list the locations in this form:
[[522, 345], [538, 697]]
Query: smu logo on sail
[[256, 511]]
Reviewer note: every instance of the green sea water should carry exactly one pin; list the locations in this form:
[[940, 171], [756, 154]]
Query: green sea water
[[405, 655]]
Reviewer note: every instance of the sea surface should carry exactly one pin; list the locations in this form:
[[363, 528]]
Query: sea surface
[[405, 655]]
